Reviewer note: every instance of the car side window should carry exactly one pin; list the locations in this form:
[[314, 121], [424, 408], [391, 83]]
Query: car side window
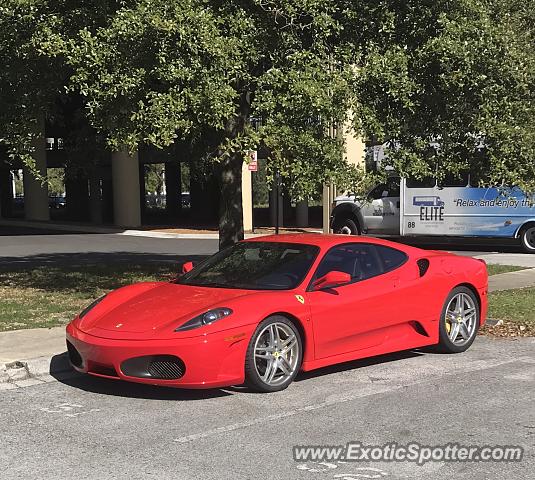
[[360, 260], [391, 257]]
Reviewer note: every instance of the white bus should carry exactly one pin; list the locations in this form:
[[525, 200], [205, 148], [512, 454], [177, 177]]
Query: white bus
[[404, 207]]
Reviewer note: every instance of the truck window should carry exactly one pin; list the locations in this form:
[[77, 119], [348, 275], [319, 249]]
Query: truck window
[[391, 187]]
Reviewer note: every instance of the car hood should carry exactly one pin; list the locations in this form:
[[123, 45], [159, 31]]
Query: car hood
[[150, 308]]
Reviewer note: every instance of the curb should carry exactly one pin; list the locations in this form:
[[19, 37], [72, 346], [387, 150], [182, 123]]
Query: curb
[[92, 229], [34, 371]]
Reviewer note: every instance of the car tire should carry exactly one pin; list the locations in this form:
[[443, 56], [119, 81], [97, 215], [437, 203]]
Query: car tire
[[458, 327], [274, 355], [345, 226], [527, 238]]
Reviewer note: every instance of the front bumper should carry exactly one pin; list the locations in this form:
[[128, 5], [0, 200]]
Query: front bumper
[[211, 361]]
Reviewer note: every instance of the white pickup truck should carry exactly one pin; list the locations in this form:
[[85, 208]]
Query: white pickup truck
[[378, 213]]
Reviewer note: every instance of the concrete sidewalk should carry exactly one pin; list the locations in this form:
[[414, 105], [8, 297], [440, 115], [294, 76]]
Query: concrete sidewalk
[[512, 280], [32, 355], [149, 232]]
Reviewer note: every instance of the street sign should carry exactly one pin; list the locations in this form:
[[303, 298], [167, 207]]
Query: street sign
[[253, 161]]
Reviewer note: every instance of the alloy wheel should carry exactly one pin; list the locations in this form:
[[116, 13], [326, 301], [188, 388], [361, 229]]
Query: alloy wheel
[[461, 319], [276, 354]]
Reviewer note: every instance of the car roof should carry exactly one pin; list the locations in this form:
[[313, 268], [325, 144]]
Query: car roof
[[326, 241]]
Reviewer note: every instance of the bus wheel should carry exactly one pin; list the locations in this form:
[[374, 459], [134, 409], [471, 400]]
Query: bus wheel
[[527, 238], [345, 226]]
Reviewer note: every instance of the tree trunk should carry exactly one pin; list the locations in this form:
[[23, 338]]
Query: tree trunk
[[230, 206], [231, 209]]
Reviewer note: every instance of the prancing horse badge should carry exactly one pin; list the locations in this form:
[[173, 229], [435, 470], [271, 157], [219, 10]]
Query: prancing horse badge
[[300, 299]]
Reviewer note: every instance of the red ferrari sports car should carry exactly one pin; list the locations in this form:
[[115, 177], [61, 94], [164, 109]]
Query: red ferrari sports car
[[267, 308]]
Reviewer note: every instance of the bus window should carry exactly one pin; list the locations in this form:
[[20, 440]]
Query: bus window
[[426, 182], [455, 180]]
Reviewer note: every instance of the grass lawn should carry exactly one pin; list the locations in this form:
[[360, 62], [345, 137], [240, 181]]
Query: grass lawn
[[497, 269], [49, 296], [516, 308], [52, 296]]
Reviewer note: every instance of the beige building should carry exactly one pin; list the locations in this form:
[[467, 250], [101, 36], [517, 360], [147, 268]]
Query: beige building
[[113, 192]]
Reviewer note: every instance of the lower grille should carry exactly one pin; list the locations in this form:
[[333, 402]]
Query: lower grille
[[163, 367], [167, 369], [74, 356]]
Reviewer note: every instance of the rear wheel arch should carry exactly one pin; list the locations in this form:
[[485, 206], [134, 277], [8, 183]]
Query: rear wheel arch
[[527, 224], [474, 291], [525, 242], [456, 323]]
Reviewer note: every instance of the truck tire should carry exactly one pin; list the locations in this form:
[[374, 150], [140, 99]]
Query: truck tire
[[345, 226], [527, 238]]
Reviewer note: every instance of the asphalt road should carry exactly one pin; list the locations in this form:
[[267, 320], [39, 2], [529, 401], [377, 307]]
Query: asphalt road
[[87, 428], [83, 247], [35, 246]]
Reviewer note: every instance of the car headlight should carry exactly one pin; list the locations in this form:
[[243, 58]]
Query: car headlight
[[207, 318], [93, 304]]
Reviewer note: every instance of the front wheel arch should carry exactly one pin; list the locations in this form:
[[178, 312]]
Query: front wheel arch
[[298, 325], [293, 354]]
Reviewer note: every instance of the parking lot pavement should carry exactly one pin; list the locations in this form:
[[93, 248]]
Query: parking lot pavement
[[90, 428], [69, 248]]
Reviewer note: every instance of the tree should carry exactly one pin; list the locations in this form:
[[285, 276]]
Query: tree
[[34, 73], [443, 77], [156, 70], [29, 82], [433, 78]]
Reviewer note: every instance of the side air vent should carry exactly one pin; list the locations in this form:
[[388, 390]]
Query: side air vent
[[423, 266]]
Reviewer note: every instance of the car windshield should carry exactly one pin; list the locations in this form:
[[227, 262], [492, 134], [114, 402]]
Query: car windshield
[[254, 266]]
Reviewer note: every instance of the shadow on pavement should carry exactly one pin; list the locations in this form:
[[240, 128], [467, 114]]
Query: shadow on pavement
[[355, 364], [120, 388], [8, 231], [95, 258]]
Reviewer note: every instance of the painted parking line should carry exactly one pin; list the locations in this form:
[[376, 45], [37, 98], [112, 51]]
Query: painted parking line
[[368, 390]]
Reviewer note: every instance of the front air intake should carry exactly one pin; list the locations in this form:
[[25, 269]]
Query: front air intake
[[162, 367], [74, 356], [423, 266]]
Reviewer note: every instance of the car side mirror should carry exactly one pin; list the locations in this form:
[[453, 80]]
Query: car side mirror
[[332, 279], [187, 267], [384, 194]]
